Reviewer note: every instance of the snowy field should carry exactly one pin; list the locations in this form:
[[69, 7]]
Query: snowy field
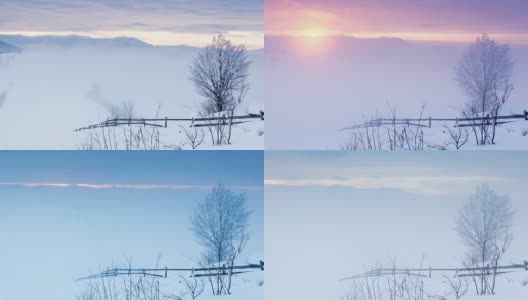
[[332, 215], [318, 85], [58, 85]]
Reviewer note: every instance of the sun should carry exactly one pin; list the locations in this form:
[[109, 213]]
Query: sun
[[313, 32]]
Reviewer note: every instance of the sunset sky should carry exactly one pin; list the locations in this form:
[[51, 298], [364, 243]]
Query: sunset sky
[[159, 22], [447, 20]]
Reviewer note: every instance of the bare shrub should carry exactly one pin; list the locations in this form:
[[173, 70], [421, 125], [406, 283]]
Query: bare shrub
[[458, 136], [393, 286], [194, 137], [387, 133], [122, 288], [131, 137], [458, 286], [194, 286]]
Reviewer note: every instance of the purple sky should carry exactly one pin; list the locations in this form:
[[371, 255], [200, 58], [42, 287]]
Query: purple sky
[[428, 19]]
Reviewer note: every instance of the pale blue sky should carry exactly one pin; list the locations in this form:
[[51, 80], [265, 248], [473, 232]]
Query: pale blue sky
[[52, 235]]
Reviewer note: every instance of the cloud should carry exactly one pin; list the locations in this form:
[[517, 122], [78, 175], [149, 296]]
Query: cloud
[[128, 186], [430, 185], [153, 15]]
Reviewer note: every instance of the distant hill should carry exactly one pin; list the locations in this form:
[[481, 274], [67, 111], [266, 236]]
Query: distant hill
[[8, 48], [73, 40]]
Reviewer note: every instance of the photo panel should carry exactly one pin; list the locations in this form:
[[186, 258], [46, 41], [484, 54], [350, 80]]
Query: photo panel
[[131, 75], [132, 225], [384, 225], [396, 74]]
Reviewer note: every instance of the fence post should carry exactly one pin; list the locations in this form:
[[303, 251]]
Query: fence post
[[262, 115], [526, 265], [526, 115], [165, 122], [456, 122], [430, 122], [165, 272], [261, 265], [430, 272]]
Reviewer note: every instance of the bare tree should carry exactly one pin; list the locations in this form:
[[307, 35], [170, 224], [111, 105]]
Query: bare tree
[[484, 224], [220, 75], [220, 224], [484, 74]]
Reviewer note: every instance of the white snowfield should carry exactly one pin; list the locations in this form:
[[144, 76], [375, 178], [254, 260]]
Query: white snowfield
[[321, 85], [57, 85]]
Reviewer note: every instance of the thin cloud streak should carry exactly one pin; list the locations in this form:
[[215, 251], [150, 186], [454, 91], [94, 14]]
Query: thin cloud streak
[[430, 185], [128, 186]]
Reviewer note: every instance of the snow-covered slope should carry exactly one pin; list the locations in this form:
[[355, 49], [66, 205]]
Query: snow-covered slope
[[49, 90]]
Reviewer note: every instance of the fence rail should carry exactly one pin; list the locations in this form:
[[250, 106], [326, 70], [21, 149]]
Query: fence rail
[[427, 122], [195, 272], [422, 271], [195, 122]]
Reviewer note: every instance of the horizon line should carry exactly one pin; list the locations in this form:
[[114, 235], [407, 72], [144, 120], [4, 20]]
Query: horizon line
[[106, 186], [438, 37], [252, 40]]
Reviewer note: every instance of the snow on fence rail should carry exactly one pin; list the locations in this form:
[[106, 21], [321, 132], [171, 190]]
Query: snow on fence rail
[[427, 122], [195, 272], [195, 122], [459, 272]]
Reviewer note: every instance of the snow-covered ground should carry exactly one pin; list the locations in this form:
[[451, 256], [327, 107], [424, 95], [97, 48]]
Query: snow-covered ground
[[59, 84], [510, 136], [513, 286], [316, 86]]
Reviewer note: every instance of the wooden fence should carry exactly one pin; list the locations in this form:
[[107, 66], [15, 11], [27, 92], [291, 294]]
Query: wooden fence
[[427, 122], [195, 122], [195, 272], [427, 272]]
